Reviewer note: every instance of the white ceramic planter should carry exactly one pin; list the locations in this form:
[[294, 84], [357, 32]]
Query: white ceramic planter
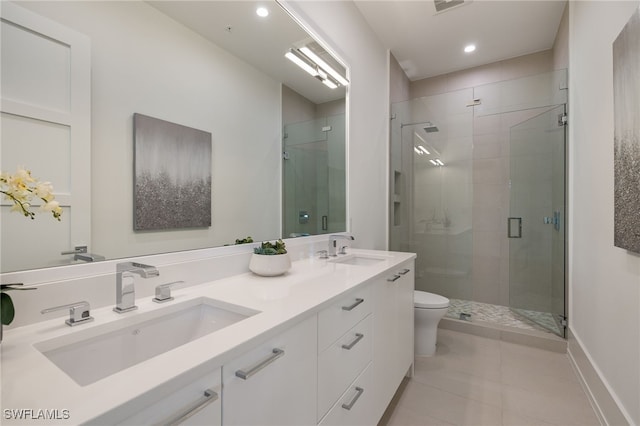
[[269, 265]]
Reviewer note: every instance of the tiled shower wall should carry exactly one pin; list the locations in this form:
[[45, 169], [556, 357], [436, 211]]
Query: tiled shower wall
[[490, 165]]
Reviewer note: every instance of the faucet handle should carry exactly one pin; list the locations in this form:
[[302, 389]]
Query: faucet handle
[[324, 254], [76, 250], [79, 312], [163, 292]]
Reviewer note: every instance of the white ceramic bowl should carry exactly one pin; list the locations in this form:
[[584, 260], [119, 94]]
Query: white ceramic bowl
[[269, 265]]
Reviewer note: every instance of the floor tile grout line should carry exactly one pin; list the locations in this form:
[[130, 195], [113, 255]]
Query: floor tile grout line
[[466, 397], [455, 394]]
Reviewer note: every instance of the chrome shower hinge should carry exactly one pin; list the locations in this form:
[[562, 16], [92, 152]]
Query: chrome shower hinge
[[562, 119]]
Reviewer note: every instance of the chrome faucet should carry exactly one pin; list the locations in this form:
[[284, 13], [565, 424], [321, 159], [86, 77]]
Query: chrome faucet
[[333, 242], [81, 253], [125, 289], [88, 257], [79, 313]]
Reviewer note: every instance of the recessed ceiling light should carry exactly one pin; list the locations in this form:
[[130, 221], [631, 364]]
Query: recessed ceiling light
[[469, 48], [262, 12]]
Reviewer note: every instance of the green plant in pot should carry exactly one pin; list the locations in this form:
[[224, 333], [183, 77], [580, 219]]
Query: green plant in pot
[[269, 249], [270, 259], [242, 241]]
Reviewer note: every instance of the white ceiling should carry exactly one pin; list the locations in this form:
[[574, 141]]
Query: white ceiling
[[427, 44], [261, 42]]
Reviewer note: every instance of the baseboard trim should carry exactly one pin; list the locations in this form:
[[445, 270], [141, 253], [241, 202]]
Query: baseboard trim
[[602, 400]]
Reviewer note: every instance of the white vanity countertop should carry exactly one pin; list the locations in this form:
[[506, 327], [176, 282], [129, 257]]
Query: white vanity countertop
[[31, 381]]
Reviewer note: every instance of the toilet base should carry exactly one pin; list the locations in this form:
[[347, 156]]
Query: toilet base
[[425, 341]]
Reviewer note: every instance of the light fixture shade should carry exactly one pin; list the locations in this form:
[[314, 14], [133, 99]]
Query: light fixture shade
[[329, 83], [316, 67], [293, 57], [322, 64]]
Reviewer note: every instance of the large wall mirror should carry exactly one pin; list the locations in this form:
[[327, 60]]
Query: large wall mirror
[[277, 131]]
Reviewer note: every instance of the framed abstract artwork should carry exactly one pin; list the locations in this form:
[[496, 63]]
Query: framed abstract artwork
[[626, 95], [172, 175]]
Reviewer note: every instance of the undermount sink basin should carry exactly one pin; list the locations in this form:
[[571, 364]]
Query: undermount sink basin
[[358, 259], [91, 355]]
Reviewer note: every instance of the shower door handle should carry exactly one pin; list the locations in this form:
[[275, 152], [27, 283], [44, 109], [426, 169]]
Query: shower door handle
[[514, 227]]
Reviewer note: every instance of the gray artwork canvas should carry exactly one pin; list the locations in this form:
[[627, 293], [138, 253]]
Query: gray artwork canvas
[[626, 92], [172, 187]]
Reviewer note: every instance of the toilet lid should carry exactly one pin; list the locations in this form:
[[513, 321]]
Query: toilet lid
[[422, 299]]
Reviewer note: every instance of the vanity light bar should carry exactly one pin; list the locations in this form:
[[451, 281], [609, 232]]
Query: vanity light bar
[[296, 59], [322, 64], [329, 83], [312, 68]]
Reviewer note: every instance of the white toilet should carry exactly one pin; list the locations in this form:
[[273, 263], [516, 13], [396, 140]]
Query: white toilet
[[429, 309]]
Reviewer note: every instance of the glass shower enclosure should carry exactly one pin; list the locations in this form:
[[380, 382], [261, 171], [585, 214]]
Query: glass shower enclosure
[[433, 191], [478, 192], [314, 196]]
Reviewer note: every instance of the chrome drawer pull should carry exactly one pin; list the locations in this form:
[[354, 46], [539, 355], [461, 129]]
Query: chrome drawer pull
[[350, 307], [244, 375], [404, 271], [355, 341], [349, 406], [209, 397], [393, 278]]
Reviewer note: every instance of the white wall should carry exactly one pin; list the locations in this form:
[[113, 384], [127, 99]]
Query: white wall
[[295, 107], [342, 27], [561, 43], [604, 285], [399, 82], [144, 62]]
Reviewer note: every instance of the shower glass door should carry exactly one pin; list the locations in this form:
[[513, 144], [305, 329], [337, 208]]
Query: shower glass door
[[536, 222], [314, 177]]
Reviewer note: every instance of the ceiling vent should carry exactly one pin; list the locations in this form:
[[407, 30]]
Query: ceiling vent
[[445, 5]]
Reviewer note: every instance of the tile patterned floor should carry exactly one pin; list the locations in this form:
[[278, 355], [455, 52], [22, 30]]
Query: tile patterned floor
[[502, 315], [479, 381]]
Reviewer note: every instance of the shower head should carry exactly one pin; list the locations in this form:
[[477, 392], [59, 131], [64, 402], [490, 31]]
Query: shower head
[[431, 128]]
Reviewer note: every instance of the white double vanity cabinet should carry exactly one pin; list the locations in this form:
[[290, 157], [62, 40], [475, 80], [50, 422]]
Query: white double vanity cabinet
[[329, 344]]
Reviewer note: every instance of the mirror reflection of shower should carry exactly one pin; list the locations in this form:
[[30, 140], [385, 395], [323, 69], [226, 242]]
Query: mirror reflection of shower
[[314, 176], [313, 165]]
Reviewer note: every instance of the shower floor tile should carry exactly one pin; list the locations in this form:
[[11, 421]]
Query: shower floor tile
[[502, 315]]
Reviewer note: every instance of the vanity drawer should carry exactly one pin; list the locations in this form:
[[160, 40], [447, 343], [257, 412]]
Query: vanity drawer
[[342, 362], [192, 399], [275, 383], [354, 407], [335, 320]]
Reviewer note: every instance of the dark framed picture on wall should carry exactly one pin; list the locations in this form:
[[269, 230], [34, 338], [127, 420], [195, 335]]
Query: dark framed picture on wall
[[172, 176], [626, 96]]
